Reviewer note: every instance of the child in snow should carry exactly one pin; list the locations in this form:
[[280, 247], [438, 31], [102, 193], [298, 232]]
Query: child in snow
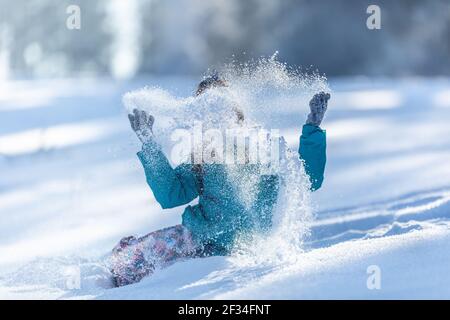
[[211, 226]]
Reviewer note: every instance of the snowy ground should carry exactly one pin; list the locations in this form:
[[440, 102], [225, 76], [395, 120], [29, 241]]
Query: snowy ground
[[71, 186]]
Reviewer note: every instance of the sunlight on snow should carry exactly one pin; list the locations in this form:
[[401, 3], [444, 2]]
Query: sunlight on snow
[[60, 136]]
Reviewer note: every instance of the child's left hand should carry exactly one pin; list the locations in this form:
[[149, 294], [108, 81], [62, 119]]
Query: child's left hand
[[318, 106]]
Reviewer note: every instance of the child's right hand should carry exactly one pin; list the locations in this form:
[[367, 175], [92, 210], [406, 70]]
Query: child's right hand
[[142, 124]]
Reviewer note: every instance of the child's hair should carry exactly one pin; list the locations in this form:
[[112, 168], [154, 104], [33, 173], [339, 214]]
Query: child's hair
[[210, 81]]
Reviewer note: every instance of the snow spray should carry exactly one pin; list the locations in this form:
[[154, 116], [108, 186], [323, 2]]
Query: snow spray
[[256, 89]]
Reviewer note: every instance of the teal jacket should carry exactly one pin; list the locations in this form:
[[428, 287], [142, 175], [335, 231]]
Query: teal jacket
[[221, 215]]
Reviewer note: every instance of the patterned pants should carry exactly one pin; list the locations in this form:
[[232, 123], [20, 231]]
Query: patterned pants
[[134, 258]]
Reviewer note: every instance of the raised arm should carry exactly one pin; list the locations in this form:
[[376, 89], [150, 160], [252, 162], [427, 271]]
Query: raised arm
[[171, 187], [313, 145]]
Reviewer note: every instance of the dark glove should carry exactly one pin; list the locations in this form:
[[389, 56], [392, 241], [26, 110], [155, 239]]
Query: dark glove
[[318, 106]]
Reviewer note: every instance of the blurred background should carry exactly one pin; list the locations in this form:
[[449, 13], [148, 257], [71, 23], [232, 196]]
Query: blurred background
[[125, 39]]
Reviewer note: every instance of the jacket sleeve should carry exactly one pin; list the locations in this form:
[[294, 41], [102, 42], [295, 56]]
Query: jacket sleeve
[[171, 187], [312, 151]]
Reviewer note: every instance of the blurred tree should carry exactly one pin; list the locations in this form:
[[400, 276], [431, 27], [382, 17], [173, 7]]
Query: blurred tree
[[188, 36], [42, 44]]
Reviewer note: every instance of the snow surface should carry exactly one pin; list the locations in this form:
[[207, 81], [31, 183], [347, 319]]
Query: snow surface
[[71, 187]]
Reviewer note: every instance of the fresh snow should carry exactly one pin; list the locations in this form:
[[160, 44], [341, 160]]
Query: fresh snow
[[71, 187]]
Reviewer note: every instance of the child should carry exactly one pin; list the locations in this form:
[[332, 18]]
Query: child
[[211, 226]]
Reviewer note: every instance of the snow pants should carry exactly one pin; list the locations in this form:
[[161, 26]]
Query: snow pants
[[134, 258]]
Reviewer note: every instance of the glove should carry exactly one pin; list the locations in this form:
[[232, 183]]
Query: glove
[[318, 106], [142, 125]]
